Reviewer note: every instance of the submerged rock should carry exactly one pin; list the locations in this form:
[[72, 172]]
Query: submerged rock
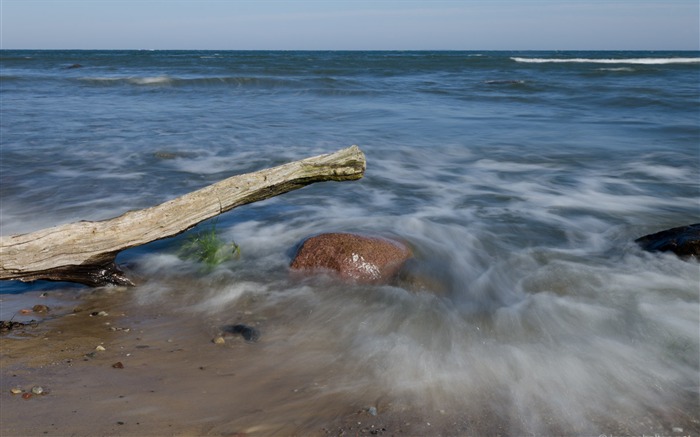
[[40, 309], [684, 241], [353, 257], [9, 325], [249, 334]]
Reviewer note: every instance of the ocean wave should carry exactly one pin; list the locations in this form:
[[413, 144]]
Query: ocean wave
[[145, 80], [322, 84], [643, 61], [617, 69]]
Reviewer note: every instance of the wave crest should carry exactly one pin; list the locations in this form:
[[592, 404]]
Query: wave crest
[[644, 61]]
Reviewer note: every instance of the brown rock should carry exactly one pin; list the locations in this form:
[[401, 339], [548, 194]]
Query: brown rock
[[354, 257]]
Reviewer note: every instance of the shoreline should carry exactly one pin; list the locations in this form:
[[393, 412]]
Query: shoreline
[[165, 386], [173, 380]]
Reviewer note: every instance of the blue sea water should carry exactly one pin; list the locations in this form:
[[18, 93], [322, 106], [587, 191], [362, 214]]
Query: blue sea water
[[521, 180]]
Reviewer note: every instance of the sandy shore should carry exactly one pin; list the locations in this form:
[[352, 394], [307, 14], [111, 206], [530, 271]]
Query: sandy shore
[[160, 374], [172, 379]]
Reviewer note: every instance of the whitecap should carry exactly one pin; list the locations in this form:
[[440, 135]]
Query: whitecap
[[645, 61], [151, 80], [617, 69]]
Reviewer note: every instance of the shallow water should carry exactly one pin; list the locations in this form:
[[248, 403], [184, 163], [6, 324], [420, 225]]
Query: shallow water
[[519, 179]]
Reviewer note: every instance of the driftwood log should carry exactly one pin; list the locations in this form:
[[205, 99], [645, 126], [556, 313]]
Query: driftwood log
[[85, 252]]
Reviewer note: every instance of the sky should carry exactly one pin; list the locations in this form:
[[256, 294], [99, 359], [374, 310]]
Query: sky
[[351, 25]]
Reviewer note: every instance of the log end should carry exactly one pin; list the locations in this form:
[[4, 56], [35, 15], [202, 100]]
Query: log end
[[93, 275]]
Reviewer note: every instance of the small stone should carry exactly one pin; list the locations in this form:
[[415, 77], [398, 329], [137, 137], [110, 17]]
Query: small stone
[[40, 309], [26, 395], [249, 334], [677, 429], [118, 365], [100, 348], [372, 411], [37, 390], [25, 311], [15, 391], [219, 340]]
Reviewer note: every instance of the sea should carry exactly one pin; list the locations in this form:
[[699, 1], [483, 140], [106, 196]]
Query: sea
[[519, 179]]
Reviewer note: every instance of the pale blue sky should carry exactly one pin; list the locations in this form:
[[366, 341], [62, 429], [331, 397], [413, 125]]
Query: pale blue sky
[[353, 25]]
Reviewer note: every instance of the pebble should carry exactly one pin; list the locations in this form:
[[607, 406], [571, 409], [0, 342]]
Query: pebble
[[15, 391], [26, 395], [372, 411], [218, 340], [249, 334], [37, 390], [118, 365], [100, 348], [40, 309]]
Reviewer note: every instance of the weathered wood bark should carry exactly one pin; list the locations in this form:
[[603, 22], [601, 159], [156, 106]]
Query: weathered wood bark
[[85, 251]]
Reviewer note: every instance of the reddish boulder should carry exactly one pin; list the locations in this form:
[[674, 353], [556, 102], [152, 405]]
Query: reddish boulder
[[351, 256]]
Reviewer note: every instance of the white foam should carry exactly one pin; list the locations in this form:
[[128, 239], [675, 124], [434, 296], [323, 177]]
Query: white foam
[[145, 80], [152, 80], [617, 69], [643, 61]]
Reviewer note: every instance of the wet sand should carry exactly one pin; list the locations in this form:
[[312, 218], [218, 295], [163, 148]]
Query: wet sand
[[173, 380]]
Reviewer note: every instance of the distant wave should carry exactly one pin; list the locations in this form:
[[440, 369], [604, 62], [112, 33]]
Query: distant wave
[[146, 80], [504, 82], [180, 81], [319, 82], [322, 84], [152, 80], [647, 61], [617, 69]]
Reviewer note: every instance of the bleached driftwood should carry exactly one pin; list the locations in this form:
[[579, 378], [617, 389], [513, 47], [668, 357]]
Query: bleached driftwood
[[85, 251]]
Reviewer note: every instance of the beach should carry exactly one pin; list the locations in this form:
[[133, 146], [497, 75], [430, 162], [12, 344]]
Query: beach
[[161, 373], [519, 180]]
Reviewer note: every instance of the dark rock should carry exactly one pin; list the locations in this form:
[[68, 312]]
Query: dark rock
[[248, 333], [353, 257], [73, 66], [9, 325], [684, 241]]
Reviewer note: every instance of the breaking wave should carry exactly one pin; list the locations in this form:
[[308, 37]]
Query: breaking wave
[[643, 61]]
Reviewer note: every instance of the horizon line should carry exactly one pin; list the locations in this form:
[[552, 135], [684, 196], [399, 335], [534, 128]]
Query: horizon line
[[363, 50]]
